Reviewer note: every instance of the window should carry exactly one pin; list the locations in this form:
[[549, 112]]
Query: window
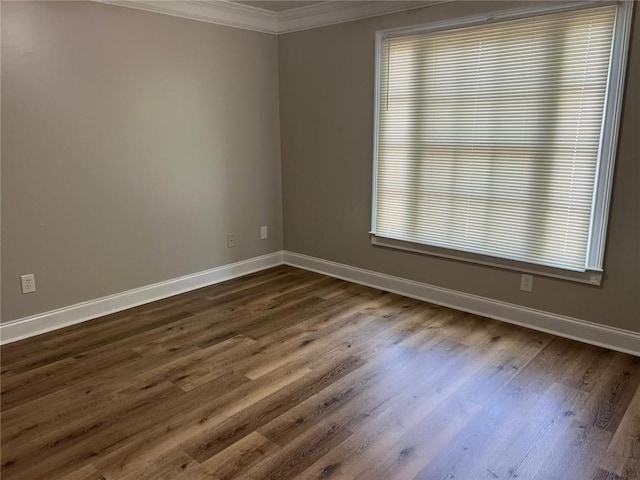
[[496, 136]]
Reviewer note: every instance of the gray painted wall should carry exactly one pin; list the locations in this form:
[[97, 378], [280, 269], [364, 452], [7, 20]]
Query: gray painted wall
[[326, 105], [132, 143]]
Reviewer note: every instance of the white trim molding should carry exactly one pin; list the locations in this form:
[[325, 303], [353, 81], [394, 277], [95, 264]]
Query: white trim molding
[[232, 14], [334, 12], [603, 336], [219, 12], [63, 317]]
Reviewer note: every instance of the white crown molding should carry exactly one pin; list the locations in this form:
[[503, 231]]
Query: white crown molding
[[225, 12], [595, 334], [63, 317], [219, 12], [331, 13]]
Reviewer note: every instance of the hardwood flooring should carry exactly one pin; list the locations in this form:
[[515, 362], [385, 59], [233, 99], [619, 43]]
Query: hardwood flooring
[[291, 374]]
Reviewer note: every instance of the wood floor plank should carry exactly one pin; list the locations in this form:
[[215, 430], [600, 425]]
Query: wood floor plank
[[347, 401], [174, 465], [417, 386], [481, 434], [611, 397], [605, 475], [71, 371], [239, 457], [88, 472], [55, 453], [217, 437], [622, 456], [520, 453], [287, 373], [303, 451], [89, 389], [405, 455], [576, 454], [588, 368]]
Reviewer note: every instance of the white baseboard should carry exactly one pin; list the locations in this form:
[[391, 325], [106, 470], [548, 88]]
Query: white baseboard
[[609, 337], [63, 317]]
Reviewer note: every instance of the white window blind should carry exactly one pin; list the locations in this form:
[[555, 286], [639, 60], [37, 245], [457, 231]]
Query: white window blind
[[489, 136]]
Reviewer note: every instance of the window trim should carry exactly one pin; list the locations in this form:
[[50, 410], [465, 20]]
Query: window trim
[[590, 277], [607, 150]]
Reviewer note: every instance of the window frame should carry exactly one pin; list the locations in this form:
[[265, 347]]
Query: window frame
[[607, 149]]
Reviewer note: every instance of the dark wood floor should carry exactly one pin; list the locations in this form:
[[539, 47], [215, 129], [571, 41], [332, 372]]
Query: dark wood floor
[[290, 374]]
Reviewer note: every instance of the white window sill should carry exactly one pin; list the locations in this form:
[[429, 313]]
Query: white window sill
[[590, 277]]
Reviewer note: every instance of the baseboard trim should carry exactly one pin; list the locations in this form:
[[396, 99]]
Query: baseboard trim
[[63, 317], [609, 337]]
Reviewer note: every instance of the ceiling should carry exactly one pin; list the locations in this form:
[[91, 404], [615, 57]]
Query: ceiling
[[277, 6]]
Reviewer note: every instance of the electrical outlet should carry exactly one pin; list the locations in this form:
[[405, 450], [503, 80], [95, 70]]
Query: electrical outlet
[[231, 240], [264, 233], [526, 283], [28, 283]]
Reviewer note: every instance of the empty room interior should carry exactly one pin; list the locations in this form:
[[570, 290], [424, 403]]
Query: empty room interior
[[320, 240]]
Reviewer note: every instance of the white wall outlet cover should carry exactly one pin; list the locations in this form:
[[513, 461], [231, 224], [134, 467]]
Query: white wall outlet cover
[[28, 283], [264, 232], [231, 240], [526, 283]]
